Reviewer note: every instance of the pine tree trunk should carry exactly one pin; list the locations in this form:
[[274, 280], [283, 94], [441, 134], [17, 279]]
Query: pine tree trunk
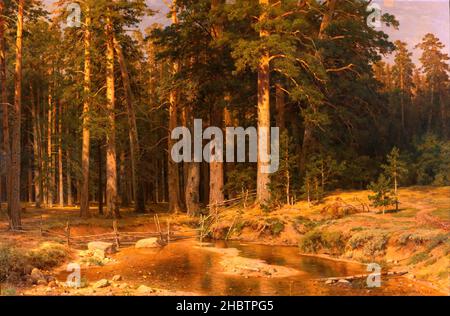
[[86, 142], [281, 107], [173, 170], [216, 180], [30, 185], [5, 107], [308, 140], [69, 179], [263, 179], [60, 159], [50, 171], [100, 179], [36, 152], [123, 175], [138, 185], [16, 126], [112, 207], [192, 193], [444, 115], [216, 168], [308, 135]]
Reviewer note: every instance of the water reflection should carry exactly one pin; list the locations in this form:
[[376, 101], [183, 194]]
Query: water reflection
[[186, 267]]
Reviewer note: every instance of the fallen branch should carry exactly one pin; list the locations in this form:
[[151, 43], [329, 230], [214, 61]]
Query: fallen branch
[[363, 276]]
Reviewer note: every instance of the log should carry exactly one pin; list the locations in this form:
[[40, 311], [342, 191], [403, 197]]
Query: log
[[363, 276]]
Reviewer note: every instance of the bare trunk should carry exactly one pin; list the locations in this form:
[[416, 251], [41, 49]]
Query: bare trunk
[[36, 152], [84, 190], [112, 208], [192, 193], [5, 107], [30, 180], [173, 170], [69, 179], [16, 127], [30, 185], [50, 171], [60, 160], [216, 168], [263, 179], [138, 185], [430, 113], [216, 180], [281, 107], [123, 176], [100, 179], [308, 139], [444, 115]]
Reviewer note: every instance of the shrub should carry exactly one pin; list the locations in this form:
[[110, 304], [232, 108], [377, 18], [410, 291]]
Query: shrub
[[315, 240], [48, 256], [304, 224], [437, 241], [275, 226], [8, 292], [311, 242], [334, 241], [13, 263], [340, 209], [372, 243], [419, 257]]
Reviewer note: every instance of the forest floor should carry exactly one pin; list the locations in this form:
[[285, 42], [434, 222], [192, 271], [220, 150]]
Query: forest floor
[[342, 227]]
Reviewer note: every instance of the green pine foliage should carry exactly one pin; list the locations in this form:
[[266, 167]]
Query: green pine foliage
[[384, 196]]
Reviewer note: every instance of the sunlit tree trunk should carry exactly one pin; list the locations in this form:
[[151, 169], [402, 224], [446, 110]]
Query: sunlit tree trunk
[[84, 189], [173, 170], [50, 171], [216, 168], [5, 107], [112, 208], [60, 159], [16, 126], [263, 179]]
